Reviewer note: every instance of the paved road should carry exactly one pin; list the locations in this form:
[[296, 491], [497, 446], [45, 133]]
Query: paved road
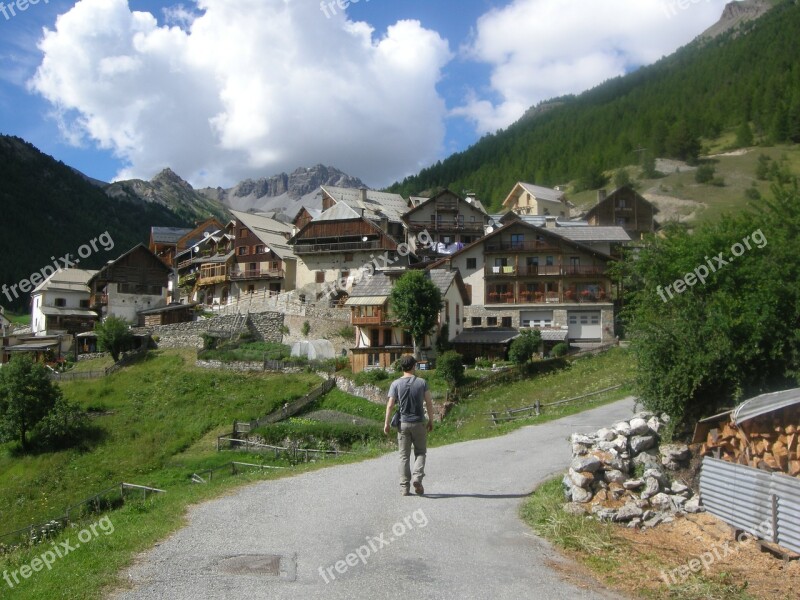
[[464, 539]]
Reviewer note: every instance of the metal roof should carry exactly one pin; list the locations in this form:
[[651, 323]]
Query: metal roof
[[339, 212], [765, 403], [366, 301], [554, 335], [376, 206], [74, 280], [477, 335], [377, 285], [593, 234], [68, 312], [270, 231], [168, 235]]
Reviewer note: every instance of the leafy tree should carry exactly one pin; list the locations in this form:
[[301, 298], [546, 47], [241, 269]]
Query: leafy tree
[[682, 143], [704, 173], [415, 301], [744, 135], [523, 347], [622, 178], [450, 367], [27, 396], [649, 165], [113, 335], [717, 341], [63, 425]]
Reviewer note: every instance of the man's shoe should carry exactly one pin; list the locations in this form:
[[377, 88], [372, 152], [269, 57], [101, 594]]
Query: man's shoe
[[418, 488], [404, 492]]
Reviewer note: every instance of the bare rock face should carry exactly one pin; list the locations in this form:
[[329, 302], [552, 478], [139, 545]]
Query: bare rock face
[[736, 13]]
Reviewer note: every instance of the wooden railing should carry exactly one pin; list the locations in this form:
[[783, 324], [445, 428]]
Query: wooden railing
[[302, 248]]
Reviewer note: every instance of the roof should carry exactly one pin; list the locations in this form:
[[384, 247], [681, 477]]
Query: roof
[[472, 202], [593, 234], [480, 335], [168, 308], [765, 403], [339, 212], [610, 197], [377, 286], [99, 275], [537, 191], [554, 335], [73, 280], [32, 345], [168, 235], [54, 311], [366, 300], [270, 231], [378, 205]]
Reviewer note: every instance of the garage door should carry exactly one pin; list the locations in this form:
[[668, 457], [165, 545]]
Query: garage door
[[536, 318], [585, 325]]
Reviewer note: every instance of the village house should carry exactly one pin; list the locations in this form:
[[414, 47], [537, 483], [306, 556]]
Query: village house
[[529, 199], [451, 222], [626, 208], [204, 267], [134, 282], [60, 304], [5, 324], [335, 248], [380, 340], [522, 275], [264, 261], [609, 239]]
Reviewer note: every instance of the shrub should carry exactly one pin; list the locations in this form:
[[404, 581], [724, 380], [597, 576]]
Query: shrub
[[306, 328], [450, 368], [373, 377], [483, 363], [347, 332], [209, 341], [559, 350], [704, 173], [523, 347]]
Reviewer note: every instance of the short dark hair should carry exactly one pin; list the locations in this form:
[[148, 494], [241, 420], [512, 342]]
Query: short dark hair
[[407, 362]]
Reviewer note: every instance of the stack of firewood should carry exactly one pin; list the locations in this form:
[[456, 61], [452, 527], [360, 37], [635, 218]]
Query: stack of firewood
[[769, 442]]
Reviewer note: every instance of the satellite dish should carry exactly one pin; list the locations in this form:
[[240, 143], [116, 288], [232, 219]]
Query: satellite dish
[[489, 229]]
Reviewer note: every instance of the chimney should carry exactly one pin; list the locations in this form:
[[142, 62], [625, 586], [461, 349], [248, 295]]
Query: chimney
[[550, 222], [363, 194], [601, 195]]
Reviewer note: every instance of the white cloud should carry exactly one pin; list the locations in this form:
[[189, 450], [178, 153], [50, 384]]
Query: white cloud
[[245, 88], [540, 49]]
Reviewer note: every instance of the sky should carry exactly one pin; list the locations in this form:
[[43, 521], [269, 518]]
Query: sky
[[224, 90]]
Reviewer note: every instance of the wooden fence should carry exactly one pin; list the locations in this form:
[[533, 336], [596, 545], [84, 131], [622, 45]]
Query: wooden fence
[[536, 408], [285, 412], [293, 452], [233, 466], [96, 503], [83, 375]]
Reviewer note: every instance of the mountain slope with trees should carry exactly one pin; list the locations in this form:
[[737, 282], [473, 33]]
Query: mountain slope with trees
[[745, 80], [49, 210]]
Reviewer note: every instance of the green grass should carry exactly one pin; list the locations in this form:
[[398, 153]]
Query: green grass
[[19, 319], [93, 364], [611, 557], [249, 351], [352, 405], [147, 416], [469, 419]]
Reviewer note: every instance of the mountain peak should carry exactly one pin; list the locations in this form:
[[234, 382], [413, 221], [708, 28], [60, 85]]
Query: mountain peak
[[735, 13]]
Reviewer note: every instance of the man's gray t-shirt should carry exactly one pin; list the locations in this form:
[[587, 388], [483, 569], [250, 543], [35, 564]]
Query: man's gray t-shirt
[[409, 393]]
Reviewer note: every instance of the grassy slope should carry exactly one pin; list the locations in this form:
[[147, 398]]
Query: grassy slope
[[737, 171]]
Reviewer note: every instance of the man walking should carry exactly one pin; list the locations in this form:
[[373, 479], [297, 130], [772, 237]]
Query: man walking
[[412, 396]]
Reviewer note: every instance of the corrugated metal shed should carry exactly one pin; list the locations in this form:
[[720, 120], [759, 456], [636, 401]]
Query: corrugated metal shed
[[765, 403]]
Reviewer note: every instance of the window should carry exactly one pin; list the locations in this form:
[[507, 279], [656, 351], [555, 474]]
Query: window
[[61, 302], [532, 261], [243, 232], [460, 220], [549, 261], [622, 221], [446, 240], [433, 219], [252, 268], [472, 263], [500, 262], [477, 321], [84, 304], [491, 321], [407, 339], [373, 360], [258, 249], [621, 203], [447, 311], [242, 251], [458, 314], [320, 276], [506, 322], [574, 261], [375, 337], [517, 240], [466, 239], [251, 289]]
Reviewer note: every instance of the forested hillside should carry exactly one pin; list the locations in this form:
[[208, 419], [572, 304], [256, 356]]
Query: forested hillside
[[50, 210], [747, 81]]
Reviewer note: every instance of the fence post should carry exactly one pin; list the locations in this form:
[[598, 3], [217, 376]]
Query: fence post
[[774, 499], [538, 408]]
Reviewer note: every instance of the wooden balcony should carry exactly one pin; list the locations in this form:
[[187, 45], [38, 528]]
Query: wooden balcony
[[445, 226], [212, 275], [378, 318], [244, 274], [543, 298], [321, 248], [544, 271], [531, 246], [447, 204]]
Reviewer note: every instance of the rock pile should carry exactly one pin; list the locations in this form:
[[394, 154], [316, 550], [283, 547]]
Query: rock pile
[[622, 474]]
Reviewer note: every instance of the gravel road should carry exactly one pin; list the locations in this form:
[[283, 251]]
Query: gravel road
[[463, 539]]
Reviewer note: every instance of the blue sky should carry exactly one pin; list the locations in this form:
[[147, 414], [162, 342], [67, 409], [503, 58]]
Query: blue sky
[[221, 90]]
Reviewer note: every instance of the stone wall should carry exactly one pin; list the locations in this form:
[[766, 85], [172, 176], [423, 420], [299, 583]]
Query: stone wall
[[325, 323], [367, 391], [263, 326]]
